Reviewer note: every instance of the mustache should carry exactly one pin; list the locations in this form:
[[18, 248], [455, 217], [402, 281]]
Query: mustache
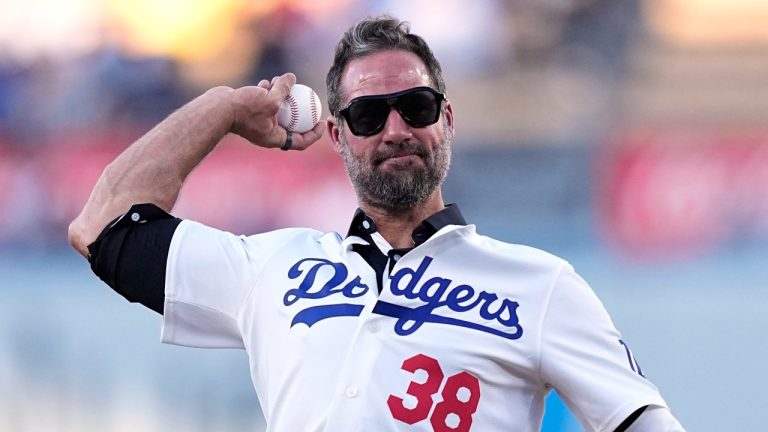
[[409, 148]]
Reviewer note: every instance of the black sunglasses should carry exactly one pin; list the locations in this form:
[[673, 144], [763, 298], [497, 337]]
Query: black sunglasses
[[418, 106]]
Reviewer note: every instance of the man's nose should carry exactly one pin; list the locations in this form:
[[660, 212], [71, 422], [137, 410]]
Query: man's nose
[[395, 128]]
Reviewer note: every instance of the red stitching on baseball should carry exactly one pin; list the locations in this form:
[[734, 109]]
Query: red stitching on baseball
[[313, 106], [294, 112]]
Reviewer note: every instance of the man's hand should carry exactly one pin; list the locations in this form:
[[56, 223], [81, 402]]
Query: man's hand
[[255, 114]]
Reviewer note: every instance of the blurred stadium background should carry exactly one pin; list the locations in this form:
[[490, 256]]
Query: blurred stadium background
[[628, 136]]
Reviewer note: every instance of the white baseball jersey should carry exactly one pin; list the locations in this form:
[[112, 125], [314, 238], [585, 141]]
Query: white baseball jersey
[[467, 334]]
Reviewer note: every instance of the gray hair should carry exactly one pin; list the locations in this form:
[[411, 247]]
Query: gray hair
[[375, 34]]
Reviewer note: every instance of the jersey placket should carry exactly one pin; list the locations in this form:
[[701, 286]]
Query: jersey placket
[[350, 395]]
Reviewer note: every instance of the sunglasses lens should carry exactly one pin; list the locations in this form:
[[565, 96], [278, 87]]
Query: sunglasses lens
[[419, 109], [367, 116]]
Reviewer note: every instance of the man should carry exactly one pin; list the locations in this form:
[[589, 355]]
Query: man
[[413, 321]]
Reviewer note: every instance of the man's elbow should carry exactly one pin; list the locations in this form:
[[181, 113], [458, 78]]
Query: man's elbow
[[77, 237]]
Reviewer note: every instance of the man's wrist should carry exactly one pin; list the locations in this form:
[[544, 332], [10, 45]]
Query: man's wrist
[[220, 99]]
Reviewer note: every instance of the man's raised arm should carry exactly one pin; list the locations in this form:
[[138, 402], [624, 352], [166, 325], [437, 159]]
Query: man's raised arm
[[153, 169]]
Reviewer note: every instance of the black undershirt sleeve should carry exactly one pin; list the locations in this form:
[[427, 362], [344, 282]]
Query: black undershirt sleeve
[[131, 254]]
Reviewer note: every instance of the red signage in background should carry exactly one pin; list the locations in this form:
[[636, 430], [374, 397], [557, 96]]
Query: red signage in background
[[69, 169], [6, 173], [246, 189], [680, 193]]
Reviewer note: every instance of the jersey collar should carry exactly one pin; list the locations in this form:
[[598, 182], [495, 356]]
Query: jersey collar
[[363, 226]]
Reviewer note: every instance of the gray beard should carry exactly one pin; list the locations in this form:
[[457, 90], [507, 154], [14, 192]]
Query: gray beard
[[396, 192]]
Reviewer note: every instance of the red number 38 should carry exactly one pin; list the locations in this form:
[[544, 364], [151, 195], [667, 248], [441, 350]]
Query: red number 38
[[460, 396]]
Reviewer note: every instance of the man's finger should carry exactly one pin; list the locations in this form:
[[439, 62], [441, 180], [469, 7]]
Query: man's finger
[[302, 141]]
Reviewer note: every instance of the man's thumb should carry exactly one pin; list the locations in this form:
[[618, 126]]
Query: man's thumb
[[282, 86]]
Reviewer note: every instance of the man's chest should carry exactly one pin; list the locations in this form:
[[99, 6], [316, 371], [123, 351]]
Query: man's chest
[[446, 333]]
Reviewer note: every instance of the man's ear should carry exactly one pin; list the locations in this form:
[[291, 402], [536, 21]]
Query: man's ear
[[332, 126], [448, 111]]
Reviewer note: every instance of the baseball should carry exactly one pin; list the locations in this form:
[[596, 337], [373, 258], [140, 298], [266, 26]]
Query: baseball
[[300, 110]]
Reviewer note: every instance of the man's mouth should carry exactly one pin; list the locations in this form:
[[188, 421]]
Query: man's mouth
[[399, 156]]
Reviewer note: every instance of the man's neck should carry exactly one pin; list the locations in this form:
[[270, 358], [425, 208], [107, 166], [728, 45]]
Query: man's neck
[[397, 227]]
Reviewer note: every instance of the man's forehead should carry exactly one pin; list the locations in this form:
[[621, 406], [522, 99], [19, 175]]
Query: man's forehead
[[384, 72]]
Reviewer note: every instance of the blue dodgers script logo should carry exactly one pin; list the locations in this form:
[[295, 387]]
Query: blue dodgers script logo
[[323, 278], [308, 290]]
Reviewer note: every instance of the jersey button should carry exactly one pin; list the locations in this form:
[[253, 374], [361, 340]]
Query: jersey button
[[351, 392], [373, 327], [135, 217], [396, 257]]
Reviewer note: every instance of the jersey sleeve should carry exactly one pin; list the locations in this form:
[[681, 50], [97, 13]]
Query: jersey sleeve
[[130, 254], [584, 358], [208, 275]]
